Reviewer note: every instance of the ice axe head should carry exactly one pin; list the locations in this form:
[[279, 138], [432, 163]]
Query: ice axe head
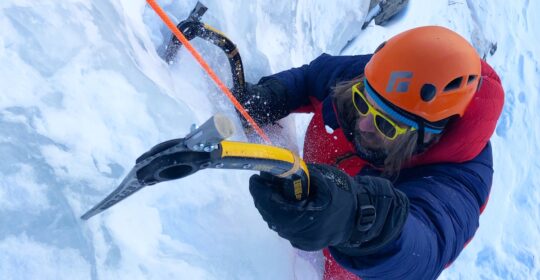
[[178, 158], [173, 166]]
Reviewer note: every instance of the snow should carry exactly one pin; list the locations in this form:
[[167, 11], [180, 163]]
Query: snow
[[328, 129], [83, 93]]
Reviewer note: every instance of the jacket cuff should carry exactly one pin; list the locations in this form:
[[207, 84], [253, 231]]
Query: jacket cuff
[[381, 215]]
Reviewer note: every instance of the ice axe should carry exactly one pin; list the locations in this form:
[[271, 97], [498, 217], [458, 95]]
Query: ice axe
[[192, 27], [205, 147]]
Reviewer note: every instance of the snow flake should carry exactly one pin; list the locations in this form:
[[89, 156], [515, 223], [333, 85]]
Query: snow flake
[[329, 130]]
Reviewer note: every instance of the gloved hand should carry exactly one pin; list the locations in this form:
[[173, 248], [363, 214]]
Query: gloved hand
[[355, 216], [326, 217], [265, 101]]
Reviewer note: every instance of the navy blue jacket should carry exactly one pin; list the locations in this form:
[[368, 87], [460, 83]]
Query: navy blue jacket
[[445, 199], [445, 202]]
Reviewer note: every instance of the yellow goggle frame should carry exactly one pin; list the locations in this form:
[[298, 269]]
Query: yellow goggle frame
[[378, 117]]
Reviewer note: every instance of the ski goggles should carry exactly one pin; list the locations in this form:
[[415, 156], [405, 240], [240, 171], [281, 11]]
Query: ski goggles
[[383, 124]]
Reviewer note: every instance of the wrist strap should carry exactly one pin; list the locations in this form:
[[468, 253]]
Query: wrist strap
[[367, 214]]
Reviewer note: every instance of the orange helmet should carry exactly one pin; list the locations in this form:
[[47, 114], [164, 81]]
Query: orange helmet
[[426, 74]]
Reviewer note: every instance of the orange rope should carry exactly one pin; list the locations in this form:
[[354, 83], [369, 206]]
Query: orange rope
[[206, 67]]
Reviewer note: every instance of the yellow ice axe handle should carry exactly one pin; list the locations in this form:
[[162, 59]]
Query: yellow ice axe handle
[[279, 162]]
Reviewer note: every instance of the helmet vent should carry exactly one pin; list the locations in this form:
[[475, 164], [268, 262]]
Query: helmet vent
[[471, 79], [427, 92], [454, 84]]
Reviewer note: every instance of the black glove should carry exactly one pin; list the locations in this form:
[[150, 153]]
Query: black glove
[[265, 101], [339, 211]]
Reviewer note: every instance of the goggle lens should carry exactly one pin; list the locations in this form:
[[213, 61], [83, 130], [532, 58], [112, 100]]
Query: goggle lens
[[361, 105], [385, 127]]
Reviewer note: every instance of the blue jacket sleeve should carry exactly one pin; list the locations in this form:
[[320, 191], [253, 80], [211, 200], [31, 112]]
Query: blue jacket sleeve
[[318, 78], [445, 202]]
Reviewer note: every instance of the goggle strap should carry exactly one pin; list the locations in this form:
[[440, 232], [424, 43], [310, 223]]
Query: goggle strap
[[420, 139]]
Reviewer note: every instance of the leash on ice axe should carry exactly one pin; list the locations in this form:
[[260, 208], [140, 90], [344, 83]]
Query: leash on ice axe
[[206, 147]]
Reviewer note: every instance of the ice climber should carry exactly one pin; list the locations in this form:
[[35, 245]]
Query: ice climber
[[398, 187]]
